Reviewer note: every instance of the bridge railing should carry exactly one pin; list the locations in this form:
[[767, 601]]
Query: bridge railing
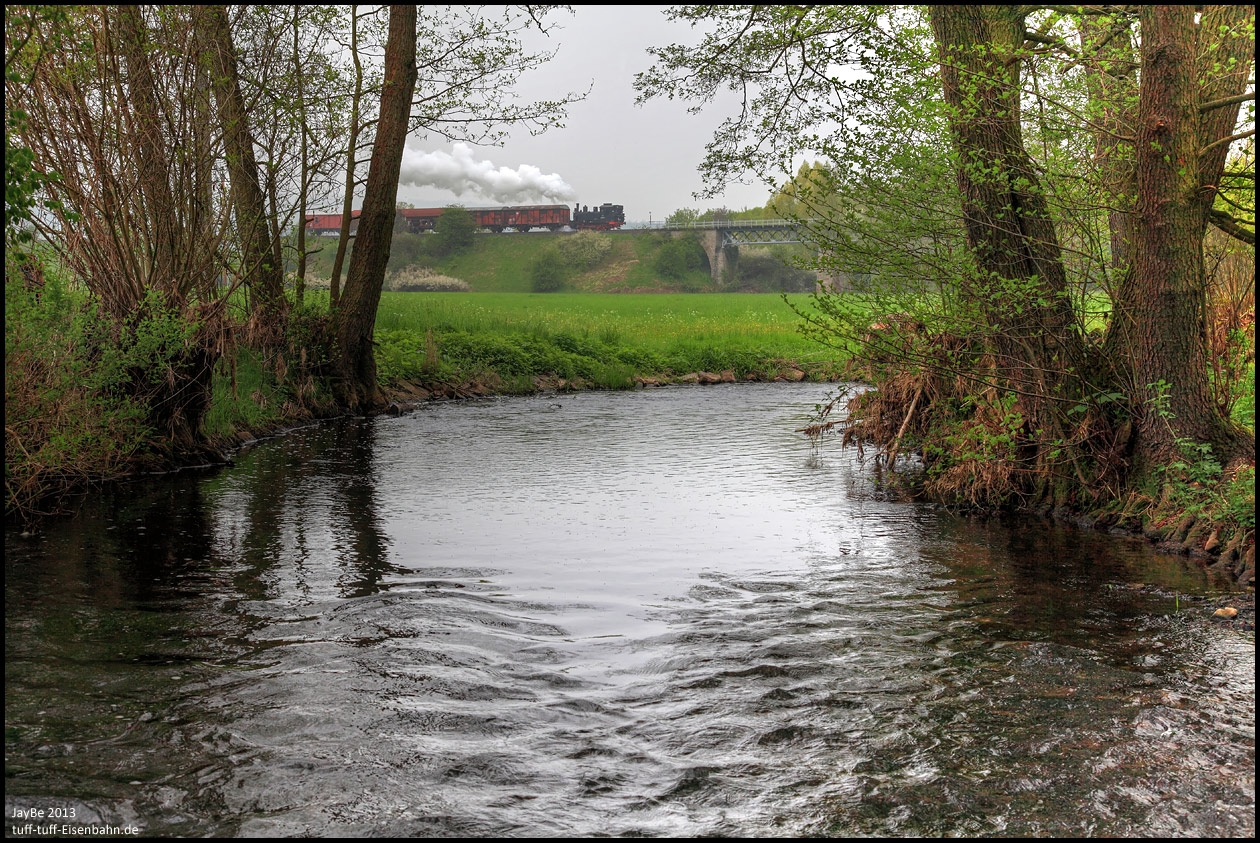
[[719, 224]]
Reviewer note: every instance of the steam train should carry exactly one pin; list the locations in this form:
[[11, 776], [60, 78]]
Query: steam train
[[604, 217]]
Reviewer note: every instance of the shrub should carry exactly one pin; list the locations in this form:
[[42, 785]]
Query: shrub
[[70, 413], [417, 279], [453, 232], [585, 250], [678, 257], [546, 274]]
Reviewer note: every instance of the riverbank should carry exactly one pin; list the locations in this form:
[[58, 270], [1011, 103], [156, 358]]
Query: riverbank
[[452, 346]]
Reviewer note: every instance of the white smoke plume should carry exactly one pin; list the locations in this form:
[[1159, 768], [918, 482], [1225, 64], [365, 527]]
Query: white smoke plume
[[458, 172]]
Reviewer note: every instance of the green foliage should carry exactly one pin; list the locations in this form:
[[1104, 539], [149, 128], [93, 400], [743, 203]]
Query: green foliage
[[585, 249], [678, 257], [692, 216], [972, 452], [244, 398], [547, 274], [683, 216], [766, 270], [1195, 484], [70, 413], [801, 196], [247, 396], [453, 232], [1245, 400]]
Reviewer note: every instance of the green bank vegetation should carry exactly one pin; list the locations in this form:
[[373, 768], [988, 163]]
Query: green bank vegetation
[[510, 340], [155, 158]]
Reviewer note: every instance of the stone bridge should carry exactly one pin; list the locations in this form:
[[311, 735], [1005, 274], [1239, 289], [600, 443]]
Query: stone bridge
[[722, 237]]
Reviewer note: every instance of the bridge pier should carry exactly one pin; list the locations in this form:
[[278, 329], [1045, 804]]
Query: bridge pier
[[721, 240], [714, 243]]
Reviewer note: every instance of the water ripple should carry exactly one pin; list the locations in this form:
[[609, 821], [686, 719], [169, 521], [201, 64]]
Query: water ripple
[[659, 613]]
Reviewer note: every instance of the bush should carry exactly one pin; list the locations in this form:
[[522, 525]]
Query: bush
[[585, 250], [678, 257], [546, 274], [70, 413], [418, 279], [453, 232]]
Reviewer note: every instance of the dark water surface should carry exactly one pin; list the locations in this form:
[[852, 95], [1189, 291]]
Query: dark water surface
[[652, 613]]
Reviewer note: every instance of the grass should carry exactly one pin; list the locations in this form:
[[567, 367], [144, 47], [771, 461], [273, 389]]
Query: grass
[[245, 397], [606, 339]]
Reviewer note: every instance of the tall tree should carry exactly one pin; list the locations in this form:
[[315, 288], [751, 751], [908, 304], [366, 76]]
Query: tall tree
[[1194, 73], [356, 322], [259, 263], [1019, 279], [352, 160]]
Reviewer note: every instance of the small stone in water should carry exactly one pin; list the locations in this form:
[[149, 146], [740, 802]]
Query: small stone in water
[[1225, 612]]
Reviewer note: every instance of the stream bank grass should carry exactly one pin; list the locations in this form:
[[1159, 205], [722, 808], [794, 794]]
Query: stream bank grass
[[605, 339]]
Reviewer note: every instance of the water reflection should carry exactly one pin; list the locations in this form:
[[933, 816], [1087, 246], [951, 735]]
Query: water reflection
[[303, 519], [579, 616]]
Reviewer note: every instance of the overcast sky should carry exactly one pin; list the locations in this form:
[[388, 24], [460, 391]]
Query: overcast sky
[[611, 150]]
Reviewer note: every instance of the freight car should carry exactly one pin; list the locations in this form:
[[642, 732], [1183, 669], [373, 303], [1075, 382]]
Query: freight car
[[604, 217]]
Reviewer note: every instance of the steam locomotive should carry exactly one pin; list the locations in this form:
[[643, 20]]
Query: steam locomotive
[[604, 217]]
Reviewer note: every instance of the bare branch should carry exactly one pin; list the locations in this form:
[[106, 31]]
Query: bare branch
[[1230, 226], [1226, 101], [1226, 141]]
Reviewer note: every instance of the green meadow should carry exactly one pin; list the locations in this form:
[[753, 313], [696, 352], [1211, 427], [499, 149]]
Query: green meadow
[[602, 340]]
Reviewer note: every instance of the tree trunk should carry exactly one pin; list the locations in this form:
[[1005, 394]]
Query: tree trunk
[[1177, 174], [1019, 284], [352, 162], [264, 277], [299, 291], [1110, 62], [154, 169], [357, 313]]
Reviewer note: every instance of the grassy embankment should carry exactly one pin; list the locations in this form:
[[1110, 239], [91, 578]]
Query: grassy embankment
[[502, 264], [587, 262], [502, 338], [515, 342]]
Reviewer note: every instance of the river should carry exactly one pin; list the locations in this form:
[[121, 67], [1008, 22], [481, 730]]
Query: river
[[659, 613]]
